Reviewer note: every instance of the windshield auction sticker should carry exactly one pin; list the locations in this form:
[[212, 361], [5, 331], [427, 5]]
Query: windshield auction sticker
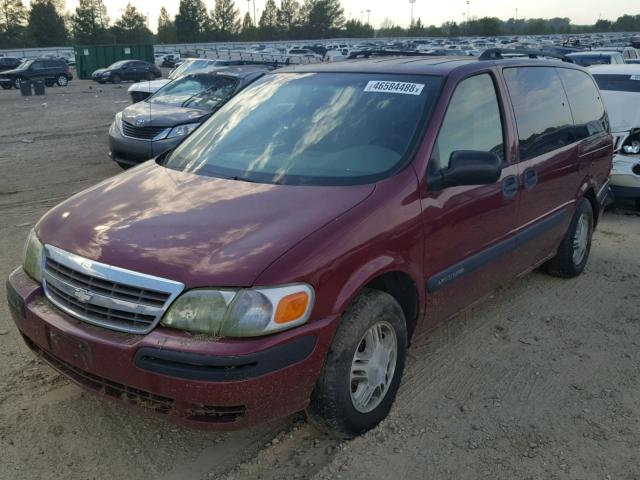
[[383, 86], [635, 77]]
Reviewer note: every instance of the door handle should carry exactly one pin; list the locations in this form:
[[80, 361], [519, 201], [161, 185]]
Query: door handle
[[530, 178], [509, 186]]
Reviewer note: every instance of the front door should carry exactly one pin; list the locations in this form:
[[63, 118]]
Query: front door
[[468, 229]]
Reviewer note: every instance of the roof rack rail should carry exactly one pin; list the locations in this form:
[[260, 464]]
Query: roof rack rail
[[386, 53], [498, 54]]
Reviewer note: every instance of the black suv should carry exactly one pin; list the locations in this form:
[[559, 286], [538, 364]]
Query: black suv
[[127, 70], [9, 63], [51, 70]]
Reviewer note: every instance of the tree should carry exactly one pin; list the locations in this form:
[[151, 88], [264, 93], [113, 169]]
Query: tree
[[166, 28], [225, 18], [288, 17], [602, 26], [269, 21], [323, 17], [248, 31], [90, 22], [416, 29], [46, 27], [357, 29], [131, 27], [13, 17], [191, 21]]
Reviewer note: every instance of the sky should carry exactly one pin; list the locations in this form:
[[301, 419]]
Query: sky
[[429, 11]]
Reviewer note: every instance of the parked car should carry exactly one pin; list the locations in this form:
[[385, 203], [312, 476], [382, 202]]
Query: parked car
[[53, 71], [620, 87], [586, 59], [9, 63], [135, 70], [147, 129], [283, 256], [142, 90], [628, 53]]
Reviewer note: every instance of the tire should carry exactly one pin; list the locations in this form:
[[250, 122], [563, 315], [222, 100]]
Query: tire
[[62, 81], [573, 252], [337, 403], [6, 86], [17, 82], [115, 79]]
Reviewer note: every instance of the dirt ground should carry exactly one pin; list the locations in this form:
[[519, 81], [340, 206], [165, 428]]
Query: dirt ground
[[540, 382]]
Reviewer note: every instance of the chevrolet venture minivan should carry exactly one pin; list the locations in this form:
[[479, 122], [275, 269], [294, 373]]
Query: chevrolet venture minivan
[[284, 255]]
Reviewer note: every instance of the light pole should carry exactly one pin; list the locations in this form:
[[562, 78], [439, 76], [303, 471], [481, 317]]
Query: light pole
[[468, 17], [368, 12], [516, 14], [411, 2], [255, 20]]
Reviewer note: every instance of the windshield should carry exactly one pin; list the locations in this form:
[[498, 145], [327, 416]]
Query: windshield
[[189, 66], [204, 91], [115, 66], [588, 60], [24, 65], [619, 83], [313, 128]]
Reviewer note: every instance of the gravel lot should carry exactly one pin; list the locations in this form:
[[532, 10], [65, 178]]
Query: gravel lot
[[542, 381]]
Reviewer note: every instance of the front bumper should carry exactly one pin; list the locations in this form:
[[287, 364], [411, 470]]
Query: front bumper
[[216, 384], [132, 151]]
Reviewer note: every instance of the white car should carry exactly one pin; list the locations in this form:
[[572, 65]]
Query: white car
[[142, 90], [620, 88]]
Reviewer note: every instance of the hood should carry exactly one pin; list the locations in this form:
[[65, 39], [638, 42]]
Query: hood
[[623, 109], [198, 230], [8, 73], [98, 71], [158, 115], [150, 87]]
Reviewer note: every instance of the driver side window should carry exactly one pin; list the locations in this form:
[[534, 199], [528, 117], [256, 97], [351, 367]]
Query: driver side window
[[472, 122]]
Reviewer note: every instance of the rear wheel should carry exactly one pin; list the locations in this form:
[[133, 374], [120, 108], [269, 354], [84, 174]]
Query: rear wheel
[[574, 250], [364, 366], [62, 81], [115, 79], [6, 86]]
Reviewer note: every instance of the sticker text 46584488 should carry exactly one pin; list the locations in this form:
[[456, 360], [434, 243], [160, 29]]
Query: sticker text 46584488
[[383, 86]]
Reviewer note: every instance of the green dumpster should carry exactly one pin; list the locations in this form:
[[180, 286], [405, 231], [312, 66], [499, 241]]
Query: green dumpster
[[92, 57]]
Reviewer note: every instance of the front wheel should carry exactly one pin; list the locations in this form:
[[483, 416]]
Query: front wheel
[[364, 366], [62, 81], [115, 79], [574, 250], [17, 83]]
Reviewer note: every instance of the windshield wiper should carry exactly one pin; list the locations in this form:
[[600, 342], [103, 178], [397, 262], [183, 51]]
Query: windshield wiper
[[241, 179]]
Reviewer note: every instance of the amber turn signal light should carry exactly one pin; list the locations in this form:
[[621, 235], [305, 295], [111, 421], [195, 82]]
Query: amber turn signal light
[[292, 307]]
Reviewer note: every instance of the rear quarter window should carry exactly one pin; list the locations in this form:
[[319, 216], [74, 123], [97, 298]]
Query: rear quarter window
[[589, 116], [618, 83], [543, 116]]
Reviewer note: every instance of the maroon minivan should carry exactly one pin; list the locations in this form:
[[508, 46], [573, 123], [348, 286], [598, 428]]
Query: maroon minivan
[[285, 254]]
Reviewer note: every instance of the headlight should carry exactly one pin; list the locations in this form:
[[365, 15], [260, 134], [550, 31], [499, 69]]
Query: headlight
[[241, 313], [183, 130], [118, 121], [32, 257]]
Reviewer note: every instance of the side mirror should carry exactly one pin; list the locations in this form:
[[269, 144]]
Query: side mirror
[[468, 167]]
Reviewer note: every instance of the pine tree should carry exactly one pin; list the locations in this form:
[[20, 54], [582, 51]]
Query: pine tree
[[166, 28], [46, 27], [131, 27], [225, 18], [248, 31], [323, 17], [13, 18], [90, 22], [191, 21], [269, 21], [289, 17]]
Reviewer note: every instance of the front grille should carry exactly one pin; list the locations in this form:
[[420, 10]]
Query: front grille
[[142, 133], [106, 296]]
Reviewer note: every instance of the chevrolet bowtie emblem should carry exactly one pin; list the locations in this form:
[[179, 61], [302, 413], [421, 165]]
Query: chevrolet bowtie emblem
[[82, 295]]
